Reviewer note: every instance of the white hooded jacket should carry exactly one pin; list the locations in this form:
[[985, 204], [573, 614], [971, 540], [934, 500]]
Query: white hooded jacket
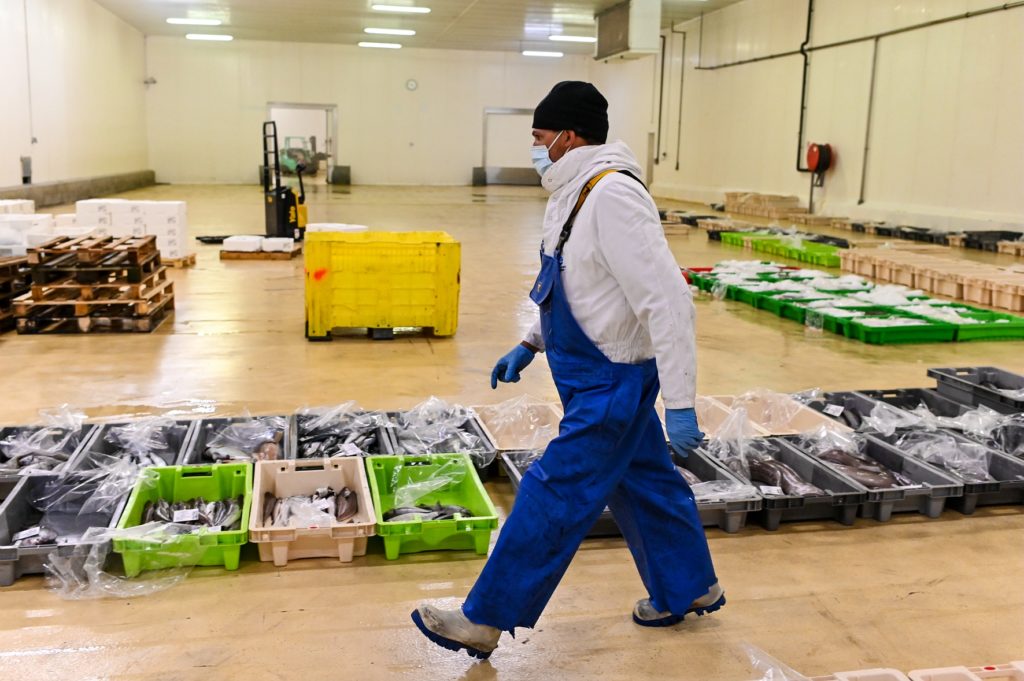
[[621, 280]]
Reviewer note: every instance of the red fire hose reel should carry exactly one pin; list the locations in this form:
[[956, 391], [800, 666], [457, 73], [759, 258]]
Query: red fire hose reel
[[819, 157]]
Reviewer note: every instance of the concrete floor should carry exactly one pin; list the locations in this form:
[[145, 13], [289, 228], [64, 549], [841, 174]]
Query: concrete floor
[[909, 593]]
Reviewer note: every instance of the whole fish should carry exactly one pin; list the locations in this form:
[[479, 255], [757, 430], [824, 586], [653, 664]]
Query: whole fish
[[870, 479], [346, 504], [777, 474], [688, 476], [269, 503]]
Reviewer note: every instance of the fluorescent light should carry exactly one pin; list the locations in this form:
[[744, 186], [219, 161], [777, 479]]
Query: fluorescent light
[[384, 46], [573, 38], [541, 53], [389, 31], [194, 22], [402, 9], [209, 36]]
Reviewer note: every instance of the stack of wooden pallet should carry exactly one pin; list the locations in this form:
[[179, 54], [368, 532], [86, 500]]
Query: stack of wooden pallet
[[95, 284], [763, 205], [920, 268], [14, 281], [1012, 247]]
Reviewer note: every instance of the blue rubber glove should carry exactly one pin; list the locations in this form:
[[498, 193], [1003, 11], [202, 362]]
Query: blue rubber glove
[[683, 433], [508, 367]]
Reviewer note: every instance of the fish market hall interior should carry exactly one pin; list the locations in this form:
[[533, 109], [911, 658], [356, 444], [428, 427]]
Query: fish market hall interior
[[678, 338]]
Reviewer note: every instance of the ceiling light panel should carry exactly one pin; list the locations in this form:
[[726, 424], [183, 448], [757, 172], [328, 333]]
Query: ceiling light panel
[[389, 31], [209, 36], [402, 9]]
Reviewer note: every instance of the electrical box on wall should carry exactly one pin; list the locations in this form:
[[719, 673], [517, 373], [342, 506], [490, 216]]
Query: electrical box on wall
[[629, 30]]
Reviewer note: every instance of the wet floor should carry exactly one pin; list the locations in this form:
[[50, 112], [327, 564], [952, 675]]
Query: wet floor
[[908, 593]]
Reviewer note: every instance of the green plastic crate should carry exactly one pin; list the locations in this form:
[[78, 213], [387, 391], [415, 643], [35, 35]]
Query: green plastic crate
[[745, 295], [415, 536], [182, 483], [732, 238], [990, 327], [925, 332]]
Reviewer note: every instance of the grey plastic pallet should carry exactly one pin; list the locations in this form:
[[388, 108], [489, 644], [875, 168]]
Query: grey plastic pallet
[[840, 501], [178, 438], [964, 384], [1007, 488], [929, 498], [17, 513], [385, 439], [193, 454], [73, 446]]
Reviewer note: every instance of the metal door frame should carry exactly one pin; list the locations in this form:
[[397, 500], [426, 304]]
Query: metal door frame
[[485, 175], [331, 126]]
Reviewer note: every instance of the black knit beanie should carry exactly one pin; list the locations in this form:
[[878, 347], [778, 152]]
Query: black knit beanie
[[577, 106]]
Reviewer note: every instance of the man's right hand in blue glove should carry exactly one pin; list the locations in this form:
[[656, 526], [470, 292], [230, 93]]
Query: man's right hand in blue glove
[[508, 367], [683, 433]]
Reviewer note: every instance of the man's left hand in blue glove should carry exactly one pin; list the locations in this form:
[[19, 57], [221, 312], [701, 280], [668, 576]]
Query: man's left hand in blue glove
[[683, 433]]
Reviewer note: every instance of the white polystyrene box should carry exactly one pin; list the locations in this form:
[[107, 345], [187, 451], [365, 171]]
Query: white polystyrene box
[[65, 220], [17, 206], [25, 222], [244, 244], [128, 216], [278, 245], [166, 213]]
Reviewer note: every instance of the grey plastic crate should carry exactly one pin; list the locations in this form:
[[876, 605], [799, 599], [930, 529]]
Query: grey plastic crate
[[840, 501], [965, 385], [471, 425], [385, 439], [909, 399], [73, 446], [178, 438], [1007, 488], [929, 498], [205, 429], [18, 513], [728, 516], [855, 407]]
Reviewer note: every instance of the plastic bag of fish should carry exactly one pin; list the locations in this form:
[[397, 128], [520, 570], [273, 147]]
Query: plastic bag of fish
[[152, 441], [967, 460], [36, 449], [522, 423], [98, 490], [410, 484], [437, 427], [343, 430], [324, 508], [847, 454], [251, 439]]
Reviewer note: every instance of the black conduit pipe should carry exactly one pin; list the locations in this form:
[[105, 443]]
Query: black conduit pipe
[[803, 91], [661, 101], [682, 79]]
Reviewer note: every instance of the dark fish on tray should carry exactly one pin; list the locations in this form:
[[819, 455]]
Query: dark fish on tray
[[424, 512], [269, 504], [688, 476], [868, 478], [346, 504], [777, 474], [838, 456]]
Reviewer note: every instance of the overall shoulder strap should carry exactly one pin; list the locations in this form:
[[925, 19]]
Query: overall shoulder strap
[[584, 193]]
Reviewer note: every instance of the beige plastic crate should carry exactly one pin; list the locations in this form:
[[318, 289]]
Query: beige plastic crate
[[524, 428], [977, 290], [290, 478], [865, 675], [711, 416], [1013, 671], [780, 414], [1008, 297]]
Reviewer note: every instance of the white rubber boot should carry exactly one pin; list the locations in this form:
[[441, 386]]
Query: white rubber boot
[[452, 630], [645, 615]]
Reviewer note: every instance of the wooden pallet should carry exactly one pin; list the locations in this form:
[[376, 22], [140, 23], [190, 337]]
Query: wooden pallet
[[65, 302], [261, 255], [1011, 247], [94, 250], [180, 263], [98, 322], [12, 267], [109, 270], [71, 288]]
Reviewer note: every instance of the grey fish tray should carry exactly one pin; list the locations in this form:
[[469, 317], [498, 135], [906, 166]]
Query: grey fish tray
[[193, 454], [840, 501], [851, 402], [72, 447], [907, 399], [471, 425], [929, 497], [177, 437], [1006, 488], [385, 439], [964, 384], [730, 516], [17, 513]]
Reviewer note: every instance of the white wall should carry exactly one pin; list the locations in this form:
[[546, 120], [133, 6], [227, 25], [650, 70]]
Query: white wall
[[204, 115], [85, 67], [947, 139]]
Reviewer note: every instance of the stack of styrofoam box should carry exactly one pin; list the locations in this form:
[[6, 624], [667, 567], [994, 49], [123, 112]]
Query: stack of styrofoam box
[[243, 244], [8, 206], [19, 231], [278, 244], [96, 213], [168, 222], [127, 218]]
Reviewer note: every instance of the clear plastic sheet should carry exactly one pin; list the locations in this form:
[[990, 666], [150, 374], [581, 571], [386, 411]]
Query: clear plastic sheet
[[259, 438], [324, 508], [723, 490], [35, 450], [410, 487], [522, 422], [1017, 394], [845, 452], [887, 419], [767, 408], [342, 430], [890, 295], [61, 509], [1008, 435], [437, 427], [805, 397], [968, 460], [770, 668], [941, 313], [145, 442], [81, 574]]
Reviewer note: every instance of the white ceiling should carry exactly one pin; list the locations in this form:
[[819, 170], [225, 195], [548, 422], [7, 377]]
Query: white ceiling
[[452, 24]]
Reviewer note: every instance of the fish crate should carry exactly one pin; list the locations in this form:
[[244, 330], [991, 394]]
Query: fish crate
[[780, 414], [415, 536], [925, 331], [988, 240], [729, 516], [981, 386], [196, 452], [839, 501], [864, 675], [908, 399], [98, 446], [341, 540], [988, 325], [1013, 671], [1008, 296], [847, 407], [928, 495], [486, 451], [300, 434], [42, 440], [381, 281], [19, 512], [184, 483], [1007, 472], [513, 434]]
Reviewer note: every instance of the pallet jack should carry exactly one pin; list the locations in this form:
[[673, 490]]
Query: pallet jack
[[286, 212]]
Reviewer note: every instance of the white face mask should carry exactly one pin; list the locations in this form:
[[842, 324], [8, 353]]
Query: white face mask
[[541, 158]]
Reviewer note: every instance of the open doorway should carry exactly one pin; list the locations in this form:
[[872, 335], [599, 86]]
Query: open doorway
[[306, 135]]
